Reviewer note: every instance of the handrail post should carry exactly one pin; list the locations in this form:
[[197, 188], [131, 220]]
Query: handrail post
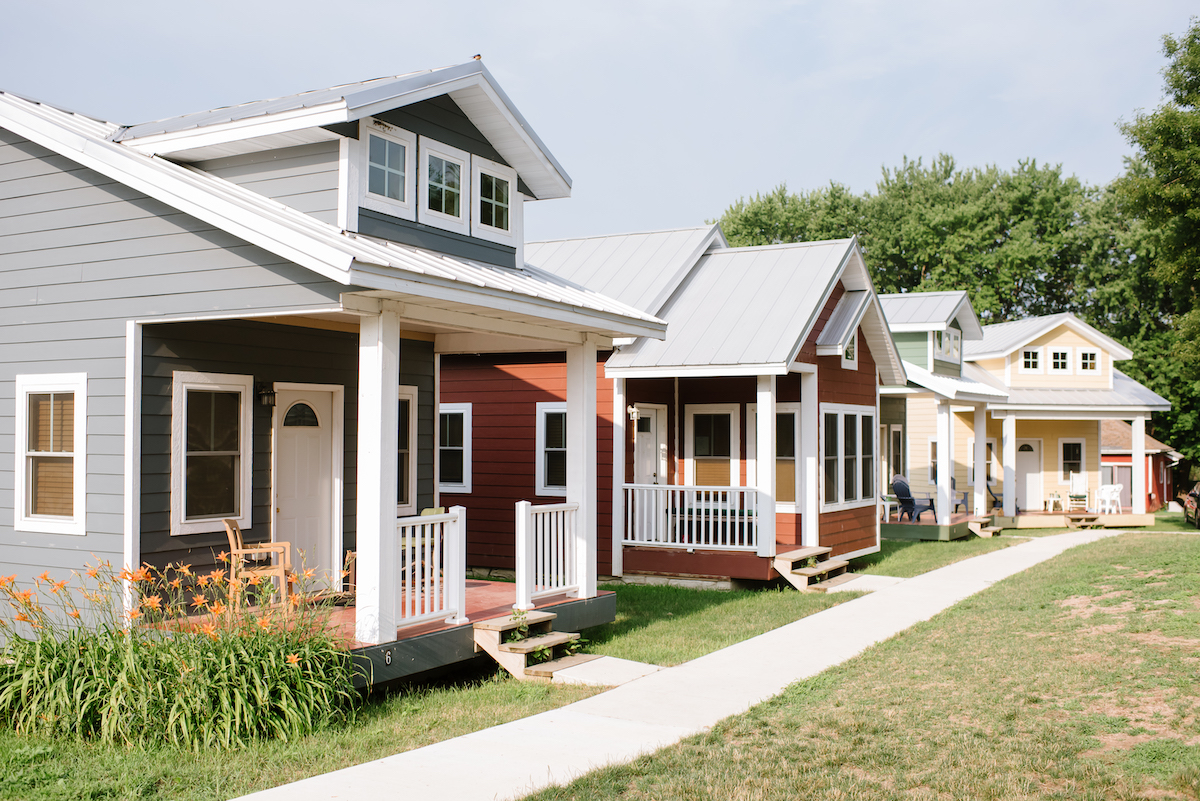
[[455, 554], [524, 600]]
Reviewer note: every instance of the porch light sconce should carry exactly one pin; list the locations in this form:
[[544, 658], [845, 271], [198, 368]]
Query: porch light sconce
[[266, 394], [633, 413]]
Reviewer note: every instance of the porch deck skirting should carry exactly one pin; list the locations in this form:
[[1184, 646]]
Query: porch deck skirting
[[692, 517]]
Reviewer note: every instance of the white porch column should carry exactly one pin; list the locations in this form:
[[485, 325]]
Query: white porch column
[[581, 458], [618, 475], [980, 504], [764, 468], [810, 479], [1009, 447], [378, 413], [1138, 459], [945, 462]]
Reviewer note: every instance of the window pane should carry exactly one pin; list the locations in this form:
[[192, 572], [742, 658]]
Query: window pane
[[52, 422], [850, 456], [52, 485], [831, 458], [213, 420], [402, 482], [402, 434], [450, 466], [452, 429], [712, 472], [451, 175], [211, 486], [556, 429], [711, 435], [556, 468], [301, 416], [785, 434], [868, 456], [785, 480]]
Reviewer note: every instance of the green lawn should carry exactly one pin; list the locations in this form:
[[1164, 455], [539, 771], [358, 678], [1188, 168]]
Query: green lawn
[[907, 558], [1172, 521], [1076, 679]]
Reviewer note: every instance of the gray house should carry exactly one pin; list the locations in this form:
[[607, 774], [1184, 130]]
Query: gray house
[[234, 314]]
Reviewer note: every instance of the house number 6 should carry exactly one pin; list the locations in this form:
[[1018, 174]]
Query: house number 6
[[387, 657]]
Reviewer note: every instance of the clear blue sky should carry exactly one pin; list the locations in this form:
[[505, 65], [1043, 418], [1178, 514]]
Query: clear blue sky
[[663, 113]]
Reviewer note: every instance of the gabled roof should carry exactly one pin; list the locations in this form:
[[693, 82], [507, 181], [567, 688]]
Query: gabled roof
[[1002, 339], [299, 118], [931, 311], [748, 311], [1116, 436], [1126, 396], [641, 270], [955, 388], [361, 263]]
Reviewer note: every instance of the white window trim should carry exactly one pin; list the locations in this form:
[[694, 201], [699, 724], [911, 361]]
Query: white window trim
[[735, 445], [386, 205], [1079, 354], [465, 410], [479, 166], [841, 410], [1050, 351], [409, 393], [462, 224], [930, 465], [180, 384], [1040, 369], [946, 353], [543, 408], [851, 364], [995, 456], [27, 385], [752, 450], [1083, 464]]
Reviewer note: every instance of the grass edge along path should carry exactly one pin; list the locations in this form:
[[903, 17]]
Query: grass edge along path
[[1075, 679]]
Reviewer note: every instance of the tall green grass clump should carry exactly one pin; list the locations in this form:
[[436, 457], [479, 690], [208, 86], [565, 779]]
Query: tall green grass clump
[[79, 661]]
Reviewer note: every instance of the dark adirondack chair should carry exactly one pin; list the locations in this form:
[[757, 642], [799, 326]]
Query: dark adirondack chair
[[908, 504], [997, 500]]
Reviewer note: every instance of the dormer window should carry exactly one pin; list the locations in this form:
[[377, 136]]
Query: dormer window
[[947, 345], [386, 168], [389, 164], [445, 186], [1089, 361], [445, 182], [1060, 361], [495, 210], [1031, 360], [493, 202]]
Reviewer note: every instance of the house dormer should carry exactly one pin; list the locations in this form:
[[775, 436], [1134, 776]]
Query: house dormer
[[1055, 352], [440, 159], [930, 328]]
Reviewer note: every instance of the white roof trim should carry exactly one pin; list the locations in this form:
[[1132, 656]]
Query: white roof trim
[[953, 388], [696, 371], [1110, 345], [832, 341]]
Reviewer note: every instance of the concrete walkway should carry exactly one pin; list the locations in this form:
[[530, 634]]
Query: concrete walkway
[[659, 709]]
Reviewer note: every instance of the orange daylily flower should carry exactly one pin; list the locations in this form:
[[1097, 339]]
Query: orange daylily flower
[[309, 573], [44, 577], [152, 602], [7, 581], [293, 659], [223, 556], [264, 622], [210, 630], [202, 581], [254, 581], [217, 607], [176, 583], [199, 601], [294, 600], [143, 574], [74, 613], [58, 585], [21, 618], [184, 570], [135, 613], [24, 596]]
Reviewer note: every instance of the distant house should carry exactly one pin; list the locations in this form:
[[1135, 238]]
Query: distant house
[[1021, 404], [793, 328], [234, 314], [1116, 464]]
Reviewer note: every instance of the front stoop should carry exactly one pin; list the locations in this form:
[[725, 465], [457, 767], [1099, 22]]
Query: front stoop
[[983, 527], [809, 569], [497, 638]]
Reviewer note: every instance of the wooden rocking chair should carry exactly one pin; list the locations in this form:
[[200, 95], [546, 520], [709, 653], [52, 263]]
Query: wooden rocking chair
[[279, 566], [1077, 498]]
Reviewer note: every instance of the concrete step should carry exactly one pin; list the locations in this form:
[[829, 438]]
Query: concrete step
[[546, 670], [804, 553], [510, 622], [531, 644]]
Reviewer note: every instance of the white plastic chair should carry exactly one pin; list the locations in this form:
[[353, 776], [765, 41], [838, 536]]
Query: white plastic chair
[[1108, 498], [1077, 498]]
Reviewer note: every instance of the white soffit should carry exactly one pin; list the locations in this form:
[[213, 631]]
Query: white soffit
[[931, 311]]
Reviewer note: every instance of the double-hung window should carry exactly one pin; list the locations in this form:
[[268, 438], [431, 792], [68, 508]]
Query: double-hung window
[[454, 447], [786, 442], [848, 450], [711, 445], [406, 452], [551, 456], [50, 460], [989, 460], [1071, 458], [211, 435]]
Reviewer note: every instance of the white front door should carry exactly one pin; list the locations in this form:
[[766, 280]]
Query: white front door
[[1029, 475], [649, 447], [304, 479]]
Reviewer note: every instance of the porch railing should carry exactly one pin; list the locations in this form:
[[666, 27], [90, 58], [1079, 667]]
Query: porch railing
[[431, 568], [547, 551], [677, 516]]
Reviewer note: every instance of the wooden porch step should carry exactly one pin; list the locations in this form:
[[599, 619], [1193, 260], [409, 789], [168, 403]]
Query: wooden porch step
[[822, 568], [546, 670], [804, 553], [989, 531], [531, 644], [510, 622], [833, 581]]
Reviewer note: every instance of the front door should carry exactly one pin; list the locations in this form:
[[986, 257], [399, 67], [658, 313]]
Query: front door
[[1029, 475], [304, 479], [649, 447]]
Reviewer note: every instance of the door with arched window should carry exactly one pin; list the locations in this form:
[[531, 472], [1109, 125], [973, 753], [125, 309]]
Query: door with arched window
[[304, 479]]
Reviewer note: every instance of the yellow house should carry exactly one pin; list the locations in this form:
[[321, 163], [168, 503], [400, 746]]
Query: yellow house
[[1037, 389]]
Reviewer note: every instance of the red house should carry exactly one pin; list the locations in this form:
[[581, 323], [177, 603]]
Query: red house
[[1116, 457], [793, 329]]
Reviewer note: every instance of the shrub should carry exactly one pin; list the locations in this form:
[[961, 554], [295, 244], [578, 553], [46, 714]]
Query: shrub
[[226, 676]]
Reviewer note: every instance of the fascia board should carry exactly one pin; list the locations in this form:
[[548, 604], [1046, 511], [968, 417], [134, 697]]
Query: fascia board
[[839, 347], [502, 300], [251, 127], [899, 375], [695, 371], [977, 327], [685, 272], [171, 184], [1106, 343], [820, 305], [1080, 412]]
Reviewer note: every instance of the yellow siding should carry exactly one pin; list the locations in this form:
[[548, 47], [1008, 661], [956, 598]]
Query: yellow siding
[[922, 427], [1062, 337], [993, 366]]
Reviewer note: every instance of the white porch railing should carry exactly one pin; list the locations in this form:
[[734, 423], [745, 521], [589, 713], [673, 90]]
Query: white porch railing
[[675, 516], [547, 551], [431, 568]]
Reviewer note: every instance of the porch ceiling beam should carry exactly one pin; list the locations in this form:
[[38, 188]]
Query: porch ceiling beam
[[499, 343], [1070, 414]]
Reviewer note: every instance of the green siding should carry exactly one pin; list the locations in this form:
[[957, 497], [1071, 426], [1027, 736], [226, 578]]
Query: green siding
[[892, 410], [946, 368], [913, 347]]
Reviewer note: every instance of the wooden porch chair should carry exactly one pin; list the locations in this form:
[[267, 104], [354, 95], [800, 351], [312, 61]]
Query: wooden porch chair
[[279, 565], [908, 503], [1077, 498]]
